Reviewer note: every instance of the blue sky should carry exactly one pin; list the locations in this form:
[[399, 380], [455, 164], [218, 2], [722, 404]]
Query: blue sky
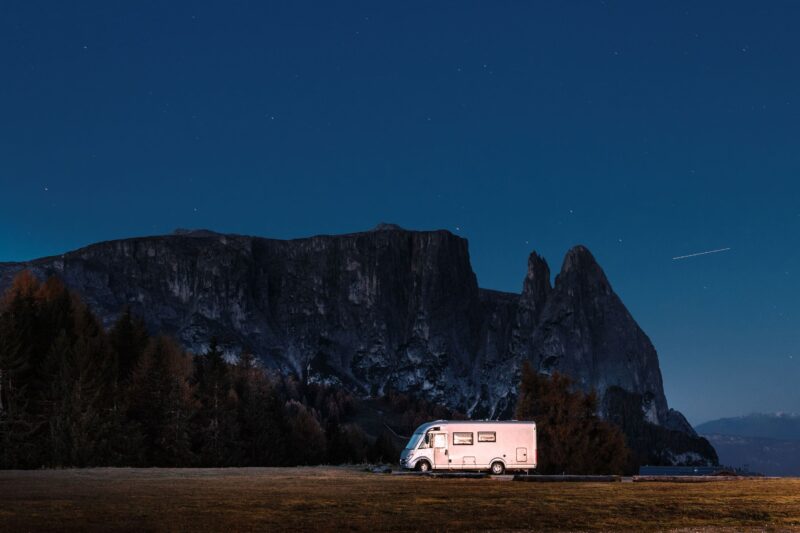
[[642, 130]]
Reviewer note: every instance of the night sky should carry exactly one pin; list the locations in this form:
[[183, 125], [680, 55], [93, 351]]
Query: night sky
[[645, 132]]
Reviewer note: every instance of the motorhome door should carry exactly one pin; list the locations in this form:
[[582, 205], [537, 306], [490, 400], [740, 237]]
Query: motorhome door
[[440, 458]]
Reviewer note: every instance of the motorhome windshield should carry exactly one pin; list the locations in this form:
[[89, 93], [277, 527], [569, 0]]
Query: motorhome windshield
[[412, 442]]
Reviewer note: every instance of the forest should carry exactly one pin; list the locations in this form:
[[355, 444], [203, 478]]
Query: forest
[[73, 394]]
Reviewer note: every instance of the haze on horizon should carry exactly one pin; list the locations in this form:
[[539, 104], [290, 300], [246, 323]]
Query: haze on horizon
[[645, 132]]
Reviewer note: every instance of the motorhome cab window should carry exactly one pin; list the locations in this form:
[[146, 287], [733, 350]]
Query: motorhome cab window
[[419, 440], [487, 436], [462, 438], [440, 440], [425, 442]]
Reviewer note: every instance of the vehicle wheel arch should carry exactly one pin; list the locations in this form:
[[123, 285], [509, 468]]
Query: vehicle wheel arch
[[497, 460], [418, 465]]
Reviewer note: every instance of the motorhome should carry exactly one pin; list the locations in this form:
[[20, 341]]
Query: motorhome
[[471, 445]]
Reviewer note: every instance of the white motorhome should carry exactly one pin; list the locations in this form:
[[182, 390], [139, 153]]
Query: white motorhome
[[471, 445]]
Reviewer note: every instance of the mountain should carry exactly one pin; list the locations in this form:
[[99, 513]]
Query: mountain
[[781, 426], [765, 443], [388, 309], [772, 457]]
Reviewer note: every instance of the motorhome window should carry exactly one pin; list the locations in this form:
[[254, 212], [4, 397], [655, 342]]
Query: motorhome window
[[425, 442], [462, 438], [487, 436], [440, 440]]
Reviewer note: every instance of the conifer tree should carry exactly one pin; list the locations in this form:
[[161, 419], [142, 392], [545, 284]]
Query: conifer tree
[[306, 438], [571, 437], [383, 450], [161, 402], [216, 418], [262, 428], [16, 330], [128, 338]]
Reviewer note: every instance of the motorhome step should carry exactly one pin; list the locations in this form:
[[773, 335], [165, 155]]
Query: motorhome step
[[559, 478]]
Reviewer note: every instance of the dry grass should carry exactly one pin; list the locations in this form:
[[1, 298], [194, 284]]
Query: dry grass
[[263, 499]]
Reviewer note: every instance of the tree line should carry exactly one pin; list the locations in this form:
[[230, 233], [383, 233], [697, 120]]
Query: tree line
[[75, 394]]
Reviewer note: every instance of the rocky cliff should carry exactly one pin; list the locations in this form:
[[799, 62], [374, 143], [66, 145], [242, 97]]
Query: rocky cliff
[[388, 308]]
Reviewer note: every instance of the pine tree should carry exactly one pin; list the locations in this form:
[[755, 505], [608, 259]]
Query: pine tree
[[16, 427], [306, 438], [20, 424], [383, 450], [78, 376], [262, 427], [571, 437], [128, 338], [216, 418], [347, 443], [162, 404]]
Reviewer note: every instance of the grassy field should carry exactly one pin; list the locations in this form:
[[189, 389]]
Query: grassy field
[[249, 499]]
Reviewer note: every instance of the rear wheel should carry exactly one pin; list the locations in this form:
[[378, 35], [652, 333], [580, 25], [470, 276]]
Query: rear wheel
[[497, 468], [423, 466]]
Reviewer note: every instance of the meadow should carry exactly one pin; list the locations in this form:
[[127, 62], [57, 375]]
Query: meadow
[[339, 498]]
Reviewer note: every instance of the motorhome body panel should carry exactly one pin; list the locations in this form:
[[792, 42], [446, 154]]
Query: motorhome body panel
[[472, 445]]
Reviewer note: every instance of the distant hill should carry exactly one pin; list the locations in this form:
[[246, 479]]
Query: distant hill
[[781, 426], [765, 443], [771, 457]]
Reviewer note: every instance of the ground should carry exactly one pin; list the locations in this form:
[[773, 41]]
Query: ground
[[326, 498]]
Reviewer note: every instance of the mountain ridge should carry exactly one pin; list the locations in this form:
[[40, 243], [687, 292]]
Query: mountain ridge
[[768, 443], [384, 309], [780, 426]]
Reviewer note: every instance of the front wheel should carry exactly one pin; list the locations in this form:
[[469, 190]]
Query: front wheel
[[423, 466], [498, 468]]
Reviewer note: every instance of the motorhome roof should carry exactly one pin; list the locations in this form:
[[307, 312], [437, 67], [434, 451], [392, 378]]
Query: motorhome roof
[[428, 425]]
